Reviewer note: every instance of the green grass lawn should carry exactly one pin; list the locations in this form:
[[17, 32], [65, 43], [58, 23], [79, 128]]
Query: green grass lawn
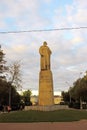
[[40, 116]]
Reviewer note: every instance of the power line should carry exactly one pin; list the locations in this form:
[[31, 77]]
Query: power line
[[43, 30]]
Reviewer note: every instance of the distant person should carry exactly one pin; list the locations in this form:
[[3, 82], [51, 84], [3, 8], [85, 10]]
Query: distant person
[[8, 108]]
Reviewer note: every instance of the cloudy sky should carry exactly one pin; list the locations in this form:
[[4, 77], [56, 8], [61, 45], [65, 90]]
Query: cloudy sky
[[69, 47]]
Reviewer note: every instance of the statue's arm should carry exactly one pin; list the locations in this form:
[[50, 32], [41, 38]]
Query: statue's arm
[[50, 52], [40, 51]]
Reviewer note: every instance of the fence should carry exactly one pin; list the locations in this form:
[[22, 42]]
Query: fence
[[46, 108]]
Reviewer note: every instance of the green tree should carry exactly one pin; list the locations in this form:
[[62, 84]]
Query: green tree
[[3, 68], [66, 97], [79, 90], [8, 92], [4, 93], [26, 97]]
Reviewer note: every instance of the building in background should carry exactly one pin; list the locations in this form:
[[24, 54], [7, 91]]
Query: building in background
[[57, 99], [34, 100]]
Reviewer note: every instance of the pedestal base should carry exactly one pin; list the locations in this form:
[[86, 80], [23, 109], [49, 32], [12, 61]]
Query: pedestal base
[[46, 88]]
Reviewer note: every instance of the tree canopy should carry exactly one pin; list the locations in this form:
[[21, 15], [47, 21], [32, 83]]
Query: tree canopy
[[4, 93], [26, 97], [78, 92]]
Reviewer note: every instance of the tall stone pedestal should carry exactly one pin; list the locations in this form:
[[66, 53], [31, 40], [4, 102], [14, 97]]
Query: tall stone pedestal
[[46, 97]]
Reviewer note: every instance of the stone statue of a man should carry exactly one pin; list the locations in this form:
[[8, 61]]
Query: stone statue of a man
[[45, 53]]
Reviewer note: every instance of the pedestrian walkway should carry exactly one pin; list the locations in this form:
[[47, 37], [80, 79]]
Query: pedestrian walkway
[[79, 125]]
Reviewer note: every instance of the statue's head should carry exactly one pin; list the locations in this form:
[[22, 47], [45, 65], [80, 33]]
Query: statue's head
[[45, 43]]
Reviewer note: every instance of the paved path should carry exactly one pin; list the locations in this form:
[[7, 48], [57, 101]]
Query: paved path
[[79, 125]]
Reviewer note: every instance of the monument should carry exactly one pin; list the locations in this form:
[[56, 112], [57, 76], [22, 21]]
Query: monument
[[46, 97]]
